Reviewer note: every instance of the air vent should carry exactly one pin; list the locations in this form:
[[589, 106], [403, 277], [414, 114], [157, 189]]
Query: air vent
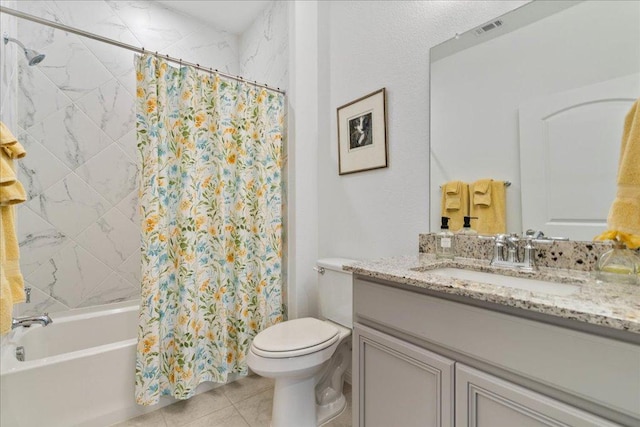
[[488, 27]]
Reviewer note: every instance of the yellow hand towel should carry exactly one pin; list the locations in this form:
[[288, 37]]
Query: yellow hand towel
[[453, 195], [6, 137], [455, 205], [492, 217], [12, 194], [482, 192], [15, 150], [7, 174], [623, 221]]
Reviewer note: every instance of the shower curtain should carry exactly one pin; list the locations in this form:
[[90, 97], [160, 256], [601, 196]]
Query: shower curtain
[[210, 153]]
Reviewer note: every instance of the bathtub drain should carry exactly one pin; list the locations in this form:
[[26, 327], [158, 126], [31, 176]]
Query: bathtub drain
[[20, 353]]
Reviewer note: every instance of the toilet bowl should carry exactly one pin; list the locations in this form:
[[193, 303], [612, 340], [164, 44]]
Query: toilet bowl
[[308, 357]]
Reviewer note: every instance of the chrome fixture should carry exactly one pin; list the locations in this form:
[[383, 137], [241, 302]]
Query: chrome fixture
[[319, 269], [27, 321], [539, 236], [33, 56], [20, 355], [506, 254]]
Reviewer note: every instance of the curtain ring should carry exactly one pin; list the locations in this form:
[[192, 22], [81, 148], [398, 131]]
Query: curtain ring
[[143, 49], [181, 62]]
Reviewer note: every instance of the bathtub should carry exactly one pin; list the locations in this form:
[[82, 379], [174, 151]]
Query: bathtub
[[78, 371]]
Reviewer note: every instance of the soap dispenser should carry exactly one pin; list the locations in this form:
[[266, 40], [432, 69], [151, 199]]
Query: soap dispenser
[[466, 227], [445, 243], [618, 265]]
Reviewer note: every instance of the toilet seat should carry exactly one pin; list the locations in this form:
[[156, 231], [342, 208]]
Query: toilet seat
[[295, 338]]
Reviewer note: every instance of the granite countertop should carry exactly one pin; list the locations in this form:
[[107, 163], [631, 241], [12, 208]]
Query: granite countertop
[[606, 304]]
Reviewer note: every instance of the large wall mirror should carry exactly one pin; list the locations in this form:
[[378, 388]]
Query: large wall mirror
[[538, 97]]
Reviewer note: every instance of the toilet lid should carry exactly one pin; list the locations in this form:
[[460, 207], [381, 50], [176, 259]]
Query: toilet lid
[[292, 337]]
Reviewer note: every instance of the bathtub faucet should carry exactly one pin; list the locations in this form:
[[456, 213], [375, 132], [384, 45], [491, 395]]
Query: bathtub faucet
[[27, 321]]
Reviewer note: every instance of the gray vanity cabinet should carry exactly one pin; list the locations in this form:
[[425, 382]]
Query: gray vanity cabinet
[[423, 360], [484, 400], [405, 385]]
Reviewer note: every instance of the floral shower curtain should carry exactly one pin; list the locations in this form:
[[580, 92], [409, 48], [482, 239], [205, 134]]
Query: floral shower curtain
[[211, 154]]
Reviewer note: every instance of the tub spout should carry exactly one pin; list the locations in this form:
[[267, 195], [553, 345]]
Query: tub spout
[[44, 320]]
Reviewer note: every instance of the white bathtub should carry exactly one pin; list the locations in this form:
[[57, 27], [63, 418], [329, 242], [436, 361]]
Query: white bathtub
[[78, 371]]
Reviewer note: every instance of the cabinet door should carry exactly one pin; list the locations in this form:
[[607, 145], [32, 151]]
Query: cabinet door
[[483, 400], [399, 384]]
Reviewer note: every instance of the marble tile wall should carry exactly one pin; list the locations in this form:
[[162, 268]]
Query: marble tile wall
[[78, 232], [264, 47], [8, 70]]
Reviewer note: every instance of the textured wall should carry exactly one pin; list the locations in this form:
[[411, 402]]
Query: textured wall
[[78, 232], [264, 47], [8, 70], [373, 45]]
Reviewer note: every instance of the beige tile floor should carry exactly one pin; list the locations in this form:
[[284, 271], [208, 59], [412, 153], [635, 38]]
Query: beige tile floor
[[243, 403]]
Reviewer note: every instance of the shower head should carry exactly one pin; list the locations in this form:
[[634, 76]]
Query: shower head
[[33, 56]]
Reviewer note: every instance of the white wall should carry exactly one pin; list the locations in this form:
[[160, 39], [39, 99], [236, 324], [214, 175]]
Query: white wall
[[302, 147], [478, 91], [373, 45]]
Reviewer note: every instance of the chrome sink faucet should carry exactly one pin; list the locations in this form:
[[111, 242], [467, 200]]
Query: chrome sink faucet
[[505, 252], [27, 321]]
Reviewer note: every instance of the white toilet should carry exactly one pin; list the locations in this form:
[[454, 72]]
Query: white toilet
[[308, 357]]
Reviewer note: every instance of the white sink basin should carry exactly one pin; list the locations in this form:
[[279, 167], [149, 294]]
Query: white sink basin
[[534, 285]]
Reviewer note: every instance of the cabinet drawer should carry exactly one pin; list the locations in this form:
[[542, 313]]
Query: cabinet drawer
[[483, 400]]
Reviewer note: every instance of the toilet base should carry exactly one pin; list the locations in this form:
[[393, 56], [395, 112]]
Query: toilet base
[[326, 413]]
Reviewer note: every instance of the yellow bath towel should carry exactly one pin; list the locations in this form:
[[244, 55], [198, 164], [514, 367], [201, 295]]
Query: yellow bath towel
[[491, 214], [623, 222], [11, 281], [455, 203]]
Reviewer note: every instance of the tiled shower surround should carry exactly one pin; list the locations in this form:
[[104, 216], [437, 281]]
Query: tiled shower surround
[[78, 231]]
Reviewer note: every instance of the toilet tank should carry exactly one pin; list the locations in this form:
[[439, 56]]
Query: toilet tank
[[335, 289]]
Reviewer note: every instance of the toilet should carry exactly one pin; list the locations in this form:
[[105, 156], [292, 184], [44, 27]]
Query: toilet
[[308, 357]]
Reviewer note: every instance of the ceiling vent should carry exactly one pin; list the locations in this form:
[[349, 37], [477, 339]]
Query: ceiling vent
[[488, 27]]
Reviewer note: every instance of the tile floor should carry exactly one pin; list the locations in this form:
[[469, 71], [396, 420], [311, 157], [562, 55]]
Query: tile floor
[[243, 403]]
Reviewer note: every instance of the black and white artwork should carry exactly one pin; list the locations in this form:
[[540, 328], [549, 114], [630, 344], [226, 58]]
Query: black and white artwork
[[360, 131], [362, 134]]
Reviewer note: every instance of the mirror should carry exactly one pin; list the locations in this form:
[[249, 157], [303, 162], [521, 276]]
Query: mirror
[[538, 97]]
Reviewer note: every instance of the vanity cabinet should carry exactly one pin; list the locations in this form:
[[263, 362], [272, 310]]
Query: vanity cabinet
[[420, 359], [405, 385]]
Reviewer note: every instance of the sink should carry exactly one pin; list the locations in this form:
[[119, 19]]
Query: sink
[[534, 285]]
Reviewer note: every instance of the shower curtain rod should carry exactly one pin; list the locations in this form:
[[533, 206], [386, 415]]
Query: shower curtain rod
[[142, 50]]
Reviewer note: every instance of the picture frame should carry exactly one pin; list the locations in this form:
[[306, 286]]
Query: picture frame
[[362, 134]]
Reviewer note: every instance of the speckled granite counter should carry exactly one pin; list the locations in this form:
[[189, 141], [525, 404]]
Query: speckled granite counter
[[605, 304]]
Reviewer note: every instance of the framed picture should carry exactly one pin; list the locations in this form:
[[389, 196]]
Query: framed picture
[[362, 134]]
